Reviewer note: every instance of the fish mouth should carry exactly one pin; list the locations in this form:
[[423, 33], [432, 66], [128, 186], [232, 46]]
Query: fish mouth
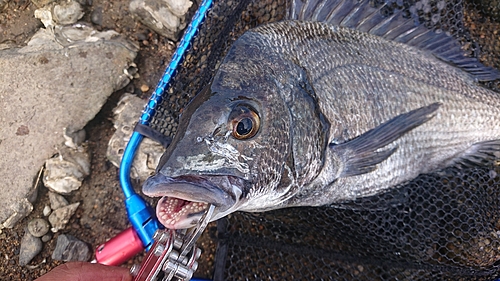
[[184, 199]]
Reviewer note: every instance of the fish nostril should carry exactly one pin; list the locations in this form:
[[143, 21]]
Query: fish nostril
[[216, 131]]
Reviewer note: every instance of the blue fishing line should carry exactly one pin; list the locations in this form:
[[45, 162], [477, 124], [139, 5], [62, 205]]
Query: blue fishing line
[[140, 214]]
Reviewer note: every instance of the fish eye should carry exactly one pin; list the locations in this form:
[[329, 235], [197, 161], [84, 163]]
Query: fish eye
[[244, 122]]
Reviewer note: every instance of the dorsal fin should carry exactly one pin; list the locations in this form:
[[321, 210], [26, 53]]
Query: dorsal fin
[[394, 26]]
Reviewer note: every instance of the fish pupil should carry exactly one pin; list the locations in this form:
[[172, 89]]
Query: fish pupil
[[244, 127]]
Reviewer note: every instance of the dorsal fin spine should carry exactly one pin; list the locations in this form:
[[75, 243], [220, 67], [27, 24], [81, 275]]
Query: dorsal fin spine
[[365, 17]]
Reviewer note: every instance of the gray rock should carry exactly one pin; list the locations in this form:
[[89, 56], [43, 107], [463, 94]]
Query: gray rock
[[57, 201], [67, 13], [46, 238], [38, 227], [59, 80], [166, 17], [66, 172], [60, 217], [96, 16], [74, 139], [126, 114], [30, 247], [69, 248]]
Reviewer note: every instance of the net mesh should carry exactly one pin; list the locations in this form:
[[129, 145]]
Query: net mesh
[[442, 226]]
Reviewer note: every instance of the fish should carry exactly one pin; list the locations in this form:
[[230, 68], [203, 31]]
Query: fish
[[337, 102]]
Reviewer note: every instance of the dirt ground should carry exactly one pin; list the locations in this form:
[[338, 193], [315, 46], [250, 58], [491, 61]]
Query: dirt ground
[[101, 214]]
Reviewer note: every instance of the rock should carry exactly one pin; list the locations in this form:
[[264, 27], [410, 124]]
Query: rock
[[57, 201], [69, 248], [46, 238], [46, 210], [46, 86], [30, 247], [166, 17], [68, 13], [74, 139], [144, 88], [16, 211], [38, 227], [60, 217], [96, 16], [65, 173], [147, 157]]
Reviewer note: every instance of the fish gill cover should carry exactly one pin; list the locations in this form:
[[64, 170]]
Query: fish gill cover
[[440, 226]]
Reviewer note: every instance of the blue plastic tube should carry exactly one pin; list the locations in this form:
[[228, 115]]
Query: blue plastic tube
[[140, 214]]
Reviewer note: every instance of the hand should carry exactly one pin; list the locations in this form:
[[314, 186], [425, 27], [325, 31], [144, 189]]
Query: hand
[[84, 271]]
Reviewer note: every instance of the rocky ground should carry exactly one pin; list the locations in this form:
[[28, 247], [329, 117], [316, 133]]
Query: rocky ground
[[101, 214]]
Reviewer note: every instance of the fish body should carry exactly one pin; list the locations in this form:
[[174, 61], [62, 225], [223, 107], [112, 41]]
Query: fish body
[[305, 113]]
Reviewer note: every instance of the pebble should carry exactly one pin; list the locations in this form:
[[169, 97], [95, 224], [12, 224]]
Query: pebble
[[46, 238], [38, 227], [74, 139], [30, 247], [141, 36], [68, 13], [144, 88], [46, 211], [69, 248], [96, 16], [57, 201], [60, 217]]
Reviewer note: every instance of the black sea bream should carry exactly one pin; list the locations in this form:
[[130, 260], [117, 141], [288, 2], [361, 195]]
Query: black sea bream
[[336, 103]]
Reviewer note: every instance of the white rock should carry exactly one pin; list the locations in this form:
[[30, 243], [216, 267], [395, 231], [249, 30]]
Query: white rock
[[147, 157], [46, 210], [60, 217], [66, 172]]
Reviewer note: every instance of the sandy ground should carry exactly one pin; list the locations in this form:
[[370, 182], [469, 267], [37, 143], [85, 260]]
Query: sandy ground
[[101, 214]]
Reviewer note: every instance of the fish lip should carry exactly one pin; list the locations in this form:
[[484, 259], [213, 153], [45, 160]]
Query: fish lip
[[189, 187]]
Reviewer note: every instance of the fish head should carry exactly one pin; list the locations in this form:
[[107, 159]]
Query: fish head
[[229, 150]]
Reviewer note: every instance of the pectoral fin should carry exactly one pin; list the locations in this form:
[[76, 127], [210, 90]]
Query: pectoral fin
[[362, 154]]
